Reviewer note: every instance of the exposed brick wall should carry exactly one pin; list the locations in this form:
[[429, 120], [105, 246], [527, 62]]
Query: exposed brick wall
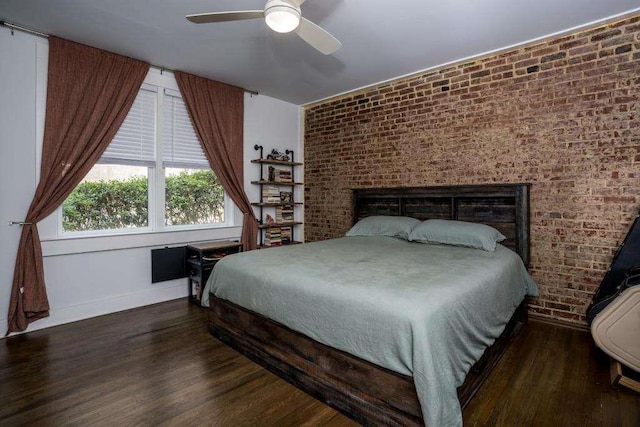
[[562, 115]]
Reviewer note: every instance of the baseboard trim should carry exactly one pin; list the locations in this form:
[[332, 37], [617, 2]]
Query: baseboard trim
[[558, 322], [62, 315], [70, 314]]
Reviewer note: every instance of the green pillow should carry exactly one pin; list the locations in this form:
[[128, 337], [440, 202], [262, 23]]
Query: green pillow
[[391, 226], [457, 233]]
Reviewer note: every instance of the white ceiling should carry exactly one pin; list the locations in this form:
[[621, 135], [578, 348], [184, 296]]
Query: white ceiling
[[382, 39]]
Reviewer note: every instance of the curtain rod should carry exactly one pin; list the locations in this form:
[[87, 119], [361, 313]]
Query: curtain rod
[[20, 28]]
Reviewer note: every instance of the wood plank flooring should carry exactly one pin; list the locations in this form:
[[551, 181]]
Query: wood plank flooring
[[158, 365], [552, 376]]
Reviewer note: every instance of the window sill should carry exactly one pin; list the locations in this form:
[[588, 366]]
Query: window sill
[[86, 244]]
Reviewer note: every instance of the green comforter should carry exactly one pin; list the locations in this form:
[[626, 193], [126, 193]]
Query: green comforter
[[423, 310]]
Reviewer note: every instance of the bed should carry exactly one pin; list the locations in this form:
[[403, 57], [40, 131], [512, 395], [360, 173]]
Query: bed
[[349, 321]]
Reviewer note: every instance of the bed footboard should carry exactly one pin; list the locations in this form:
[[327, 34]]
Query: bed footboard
[[365, 392]]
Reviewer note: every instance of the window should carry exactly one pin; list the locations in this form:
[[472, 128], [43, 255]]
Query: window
[[186, 167], [154, 176]]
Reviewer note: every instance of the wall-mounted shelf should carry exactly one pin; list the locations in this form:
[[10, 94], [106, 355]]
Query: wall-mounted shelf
[[279, 224], [263, 182], [292, 243], [275, 205], [279, 173], [275, 162]]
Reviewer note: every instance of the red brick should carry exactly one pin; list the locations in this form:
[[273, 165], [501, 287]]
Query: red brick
[[569, 128]]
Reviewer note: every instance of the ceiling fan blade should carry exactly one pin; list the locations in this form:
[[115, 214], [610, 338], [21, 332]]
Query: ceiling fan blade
[[205, 18], [317, 37]]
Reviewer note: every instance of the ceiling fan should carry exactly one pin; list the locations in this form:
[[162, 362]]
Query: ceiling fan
[[282, 16]]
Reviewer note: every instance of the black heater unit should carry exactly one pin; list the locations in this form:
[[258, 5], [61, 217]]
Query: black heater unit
[[168, 264]]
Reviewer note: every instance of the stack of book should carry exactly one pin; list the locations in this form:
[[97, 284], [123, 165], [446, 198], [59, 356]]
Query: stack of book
[[273, 236], [280, 175], [270, 194], [284, 213], [285, 235]]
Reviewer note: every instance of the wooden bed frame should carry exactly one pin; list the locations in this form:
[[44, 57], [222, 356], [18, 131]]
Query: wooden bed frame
[[368, 393]]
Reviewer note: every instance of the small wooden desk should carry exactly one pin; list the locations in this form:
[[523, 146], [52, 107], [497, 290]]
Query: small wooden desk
[[201, 258]]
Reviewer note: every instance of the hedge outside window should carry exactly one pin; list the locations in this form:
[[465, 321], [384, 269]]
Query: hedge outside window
[[110, 197], [118, 194]]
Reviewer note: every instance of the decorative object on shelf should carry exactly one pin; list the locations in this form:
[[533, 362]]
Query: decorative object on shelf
[[276, 172], [286, 196], [279, 155]]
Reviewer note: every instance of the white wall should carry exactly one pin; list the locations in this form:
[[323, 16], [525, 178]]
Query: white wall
[[273, 127], [89, 277]]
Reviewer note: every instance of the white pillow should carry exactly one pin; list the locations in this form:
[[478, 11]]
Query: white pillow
[[391, 226], [457, 233]]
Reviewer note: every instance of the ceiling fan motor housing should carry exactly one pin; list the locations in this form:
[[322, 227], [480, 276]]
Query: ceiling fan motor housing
[[281, 15]]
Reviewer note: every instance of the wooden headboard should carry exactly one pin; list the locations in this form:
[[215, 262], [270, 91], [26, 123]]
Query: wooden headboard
[[502, 206]]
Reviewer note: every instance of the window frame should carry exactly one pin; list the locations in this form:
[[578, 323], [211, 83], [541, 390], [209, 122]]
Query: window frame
[[61, 234], [156, 184]]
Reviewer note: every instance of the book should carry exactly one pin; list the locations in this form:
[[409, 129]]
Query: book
[[273, 236], [284, 213], [279, 174], [270, 194], [285, 235]]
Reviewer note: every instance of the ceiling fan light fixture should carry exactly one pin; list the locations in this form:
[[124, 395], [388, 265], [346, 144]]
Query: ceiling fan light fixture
[[281, 17]]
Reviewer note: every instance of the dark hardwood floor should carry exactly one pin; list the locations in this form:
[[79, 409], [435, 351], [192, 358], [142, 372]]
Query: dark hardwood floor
[[553, 376], [159, 365]]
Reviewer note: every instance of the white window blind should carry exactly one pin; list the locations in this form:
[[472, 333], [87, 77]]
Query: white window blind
[[134, 144], [181, 147]]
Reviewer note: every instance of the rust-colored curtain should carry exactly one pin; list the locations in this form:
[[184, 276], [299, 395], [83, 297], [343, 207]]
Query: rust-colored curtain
[[217, 113], [89, 93]]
